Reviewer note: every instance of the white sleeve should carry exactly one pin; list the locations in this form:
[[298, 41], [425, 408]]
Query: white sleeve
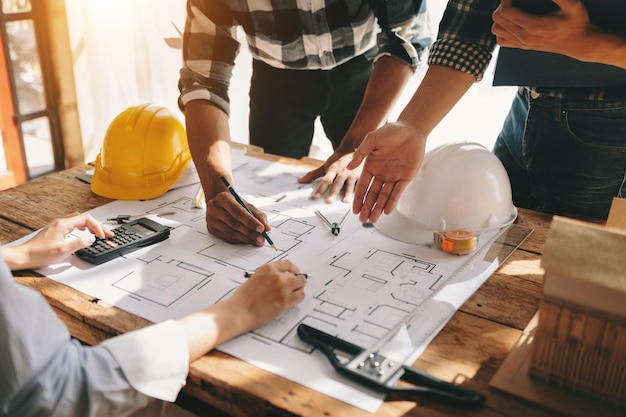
[[42, 368], [155, 359]]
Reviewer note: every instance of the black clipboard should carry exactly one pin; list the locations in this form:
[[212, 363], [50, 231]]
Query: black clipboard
[[519, 67]]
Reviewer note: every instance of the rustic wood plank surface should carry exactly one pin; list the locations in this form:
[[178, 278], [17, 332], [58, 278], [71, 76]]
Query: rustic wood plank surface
[[469, 349], [10, 231], [36, 203]]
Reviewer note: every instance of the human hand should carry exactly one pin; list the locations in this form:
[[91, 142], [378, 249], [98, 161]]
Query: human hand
[[393, 155], [228, 220], [335, 177], [566, 31], [50, 245], [273, 289]]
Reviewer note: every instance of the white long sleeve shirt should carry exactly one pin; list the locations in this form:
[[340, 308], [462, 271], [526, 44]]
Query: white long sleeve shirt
[[43, 372]]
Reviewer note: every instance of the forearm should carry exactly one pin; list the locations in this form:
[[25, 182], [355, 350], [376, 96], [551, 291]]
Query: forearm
[[15, 257], [383, 90], [208, 135], [271, 290], [211, 327], [437, 94], [603, 47]]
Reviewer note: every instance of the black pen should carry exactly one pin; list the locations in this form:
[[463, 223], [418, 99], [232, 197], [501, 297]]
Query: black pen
[[248, 274], [241, 202]]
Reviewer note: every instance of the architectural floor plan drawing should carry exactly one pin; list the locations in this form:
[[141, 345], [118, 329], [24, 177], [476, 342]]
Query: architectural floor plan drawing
[[167, 285], [288, 233], [361, 283]]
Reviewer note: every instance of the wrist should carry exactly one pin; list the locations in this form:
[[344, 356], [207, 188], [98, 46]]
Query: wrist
[[16, 257], [595, 45], [208, 328], [231, 319], [605, 48], [213, 186], [350, 142], [415, 127]]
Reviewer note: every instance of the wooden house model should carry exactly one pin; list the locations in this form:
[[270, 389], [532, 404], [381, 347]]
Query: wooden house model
[[580, 340]]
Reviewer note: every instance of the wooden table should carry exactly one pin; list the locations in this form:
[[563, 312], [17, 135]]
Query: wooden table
[[468, 351]]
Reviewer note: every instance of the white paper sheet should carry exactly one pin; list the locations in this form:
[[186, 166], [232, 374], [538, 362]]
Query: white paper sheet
[[361, 283]]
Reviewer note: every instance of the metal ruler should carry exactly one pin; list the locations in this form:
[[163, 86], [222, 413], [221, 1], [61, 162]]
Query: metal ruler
[[380, 369]]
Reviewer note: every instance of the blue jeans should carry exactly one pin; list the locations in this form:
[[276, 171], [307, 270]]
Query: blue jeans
[[564, 156], [285, 103]]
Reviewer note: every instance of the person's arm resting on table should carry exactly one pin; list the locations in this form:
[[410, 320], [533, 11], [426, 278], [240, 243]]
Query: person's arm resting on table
[[42, 370]]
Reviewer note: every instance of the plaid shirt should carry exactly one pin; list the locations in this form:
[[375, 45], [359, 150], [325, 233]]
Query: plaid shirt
[[300, 35], [465, 43]]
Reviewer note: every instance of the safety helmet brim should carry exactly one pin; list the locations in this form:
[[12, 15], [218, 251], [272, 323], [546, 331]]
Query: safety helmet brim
[[144, 153], [460, 185], [400, 227]]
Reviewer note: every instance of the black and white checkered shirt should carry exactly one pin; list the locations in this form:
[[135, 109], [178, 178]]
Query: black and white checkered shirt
[[300, 35]]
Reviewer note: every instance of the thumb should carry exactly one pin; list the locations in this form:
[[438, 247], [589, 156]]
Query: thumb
[[311, 175], [81, 242], [361, 153]]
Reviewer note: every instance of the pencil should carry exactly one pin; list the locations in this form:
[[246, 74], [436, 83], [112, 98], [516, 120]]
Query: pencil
[[248, 274], [241, 202], [199, 198]]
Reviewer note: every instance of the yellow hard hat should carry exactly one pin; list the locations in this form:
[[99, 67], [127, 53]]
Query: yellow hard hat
[[143, 154]]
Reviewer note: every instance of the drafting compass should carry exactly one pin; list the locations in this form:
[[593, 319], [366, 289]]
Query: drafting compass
[[335, 227]]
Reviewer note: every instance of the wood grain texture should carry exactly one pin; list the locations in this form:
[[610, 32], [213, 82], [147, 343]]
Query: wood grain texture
[[38, 202], [469, 350]]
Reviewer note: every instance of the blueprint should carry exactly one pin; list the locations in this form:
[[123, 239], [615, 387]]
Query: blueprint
[[361, 283]]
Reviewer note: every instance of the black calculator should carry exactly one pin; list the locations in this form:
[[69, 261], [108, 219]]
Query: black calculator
[[127, 238]]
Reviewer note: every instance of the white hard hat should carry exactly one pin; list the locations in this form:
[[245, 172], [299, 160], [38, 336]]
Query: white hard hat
[[459, 185]]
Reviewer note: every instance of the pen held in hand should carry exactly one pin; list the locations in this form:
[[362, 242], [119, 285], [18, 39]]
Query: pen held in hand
[[248, 274], [243, 204]]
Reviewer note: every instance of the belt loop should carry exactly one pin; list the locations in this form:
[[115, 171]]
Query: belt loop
[[557, 109]]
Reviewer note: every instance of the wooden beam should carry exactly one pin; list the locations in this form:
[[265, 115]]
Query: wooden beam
[[64, 90]]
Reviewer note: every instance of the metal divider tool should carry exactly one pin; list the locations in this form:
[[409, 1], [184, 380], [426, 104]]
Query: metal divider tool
[[381, 373], [335, 227]]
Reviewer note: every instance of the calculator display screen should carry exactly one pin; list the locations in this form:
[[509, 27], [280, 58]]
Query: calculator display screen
[[142, 229]]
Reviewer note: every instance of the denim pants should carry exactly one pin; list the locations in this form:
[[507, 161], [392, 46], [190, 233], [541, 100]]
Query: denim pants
[[284, 104], [564, 156]]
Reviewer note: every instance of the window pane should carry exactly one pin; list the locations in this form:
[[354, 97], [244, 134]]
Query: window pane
[[15, 6], [26, 68], [38, 147]]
